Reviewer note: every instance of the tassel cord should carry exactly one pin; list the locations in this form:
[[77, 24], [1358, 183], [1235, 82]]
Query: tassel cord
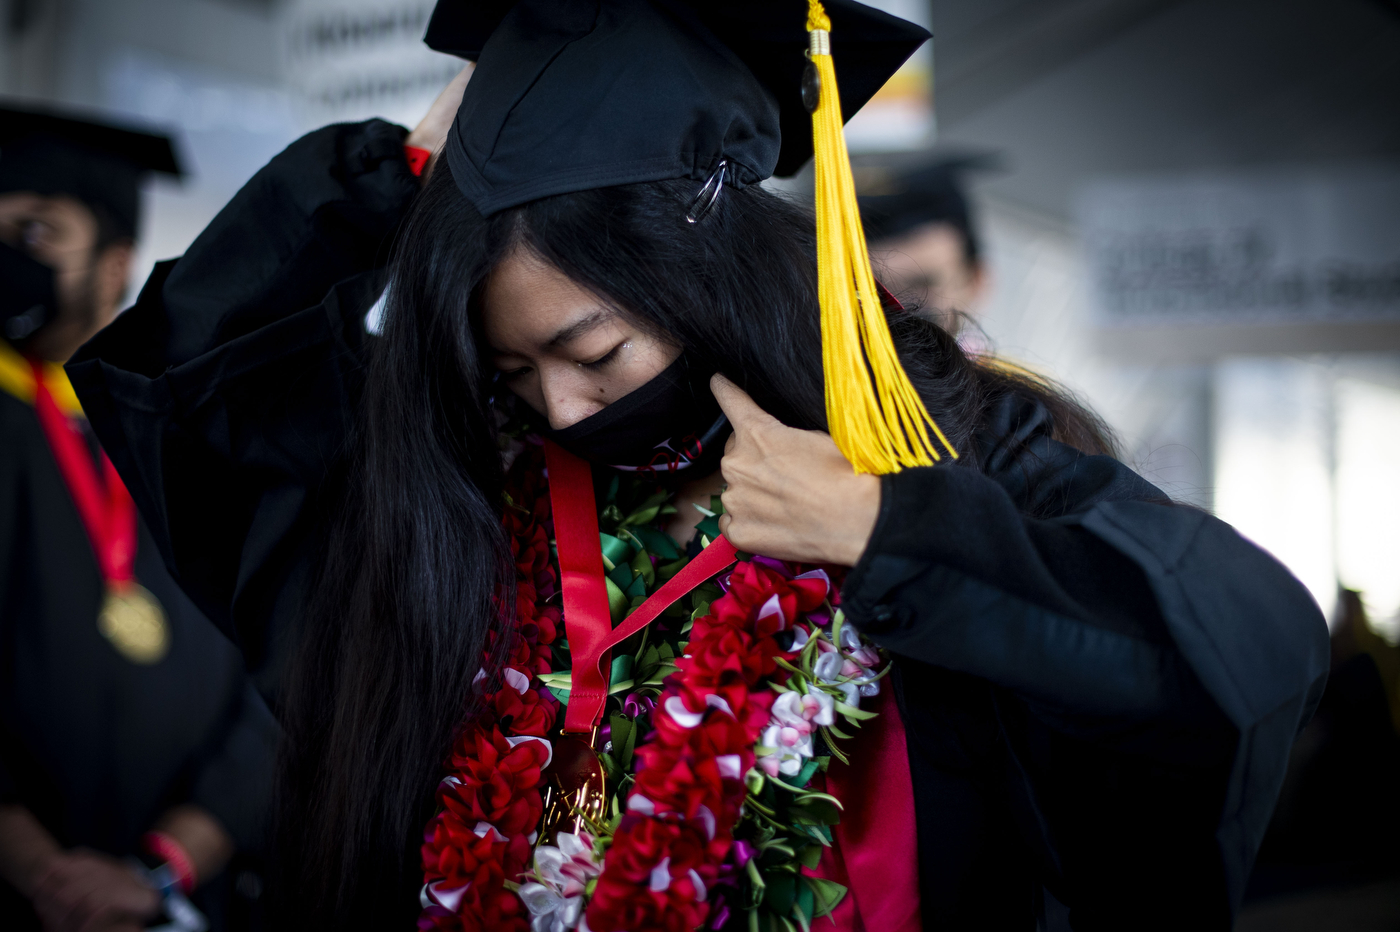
[[874, 413]]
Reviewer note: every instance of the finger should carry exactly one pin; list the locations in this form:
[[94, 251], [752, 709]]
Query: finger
[[75, 906], [728, 470], [81, 880], [733, 531], [130, 896], [741, 410], [119, 909], [106, 903], [96, 916], [49, 879]]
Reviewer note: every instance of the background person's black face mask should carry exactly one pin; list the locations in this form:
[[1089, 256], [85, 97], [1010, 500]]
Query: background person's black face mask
[[670, 425], [27, 293]]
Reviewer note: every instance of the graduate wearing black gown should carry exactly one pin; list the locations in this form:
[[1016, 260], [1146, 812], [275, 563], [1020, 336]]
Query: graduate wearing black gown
[[105, 733], [1099, 687]]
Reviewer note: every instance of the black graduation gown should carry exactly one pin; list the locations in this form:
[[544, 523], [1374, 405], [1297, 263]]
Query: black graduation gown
[[97, 747], [1100, 688]]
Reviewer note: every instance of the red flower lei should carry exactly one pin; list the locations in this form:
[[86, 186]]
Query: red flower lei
[[668, 848], [491, 799]]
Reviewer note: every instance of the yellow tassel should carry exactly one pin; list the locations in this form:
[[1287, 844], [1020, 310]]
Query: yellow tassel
[[875, 416]]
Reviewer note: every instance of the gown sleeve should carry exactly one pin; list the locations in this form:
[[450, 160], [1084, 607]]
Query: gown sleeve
[[225, 395], [1149, 667]]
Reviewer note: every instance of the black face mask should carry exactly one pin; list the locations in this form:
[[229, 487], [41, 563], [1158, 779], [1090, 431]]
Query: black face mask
[[28, 297], [672, 425]]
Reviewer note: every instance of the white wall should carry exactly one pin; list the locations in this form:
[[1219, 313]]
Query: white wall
[[1037, 313], [1301, 454]]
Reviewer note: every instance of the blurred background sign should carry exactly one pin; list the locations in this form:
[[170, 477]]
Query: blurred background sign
[[1258, 259], [354, 59]]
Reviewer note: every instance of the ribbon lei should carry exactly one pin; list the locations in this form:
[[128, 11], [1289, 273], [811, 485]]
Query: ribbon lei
[[587, 621], [876, 417], [105, 505]]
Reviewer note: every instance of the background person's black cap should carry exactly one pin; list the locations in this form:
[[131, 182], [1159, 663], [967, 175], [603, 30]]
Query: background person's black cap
[[571, 95], [898, 199], [96, 162]]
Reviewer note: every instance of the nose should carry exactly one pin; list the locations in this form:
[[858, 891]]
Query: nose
[[567, 398]]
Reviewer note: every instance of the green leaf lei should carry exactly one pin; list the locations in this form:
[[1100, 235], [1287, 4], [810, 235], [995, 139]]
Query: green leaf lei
[[786, 823]]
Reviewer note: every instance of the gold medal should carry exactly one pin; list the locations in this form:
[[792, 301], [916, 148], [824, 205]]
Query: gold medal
[[575, 793], [132, 620]]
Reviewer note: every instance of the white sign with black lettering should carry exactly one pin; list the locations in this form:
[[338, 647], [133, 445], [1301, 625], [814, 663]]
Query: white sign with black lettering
[[1240, 249], [354, 59]]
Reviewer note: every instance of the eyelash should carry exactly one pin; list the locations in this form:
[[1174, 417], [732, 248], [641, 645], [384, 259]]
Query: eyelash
[[600, 363], [603, 360]]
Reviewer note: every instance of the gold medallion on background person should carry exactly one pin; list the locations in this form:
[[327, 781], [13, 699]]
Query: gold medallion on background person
[[132, 620]]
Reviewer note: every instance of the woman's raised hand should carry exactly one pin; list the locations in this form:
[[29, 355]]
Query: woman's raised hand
[[791, 494], [432, 129]]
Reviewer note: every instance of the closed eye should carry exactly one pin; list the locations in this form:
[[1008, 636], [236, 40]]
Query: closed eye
[[602, 361]]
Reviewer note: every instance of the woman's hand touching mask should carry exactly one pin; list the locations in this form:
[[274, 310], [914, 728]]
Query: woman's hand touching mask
[[791, 494]]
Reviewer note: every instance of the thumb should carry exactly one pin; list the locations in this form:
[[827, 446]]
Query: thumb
[[741, 410]]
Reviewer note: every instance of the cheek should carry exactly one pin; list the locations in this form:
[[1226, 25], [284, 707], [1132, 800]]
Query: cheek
[[75, 288], [648, 358], [566, 393]]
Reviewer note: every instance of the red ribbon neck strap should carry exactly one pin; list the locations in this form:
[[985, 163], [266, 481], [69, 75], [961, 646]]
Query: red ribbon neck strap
[[587, 621], [105, 505]]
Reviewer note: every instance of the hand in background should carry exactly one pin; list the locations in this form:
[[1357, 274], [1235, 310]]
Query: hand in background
[[431, 131], [201, 835], [85, 891], [79, 890]]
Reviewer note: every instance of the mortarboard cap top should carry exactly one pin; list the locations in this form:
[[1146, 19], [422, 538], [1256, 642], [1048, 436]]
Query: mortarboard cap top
[[98, 163], [577, 94]]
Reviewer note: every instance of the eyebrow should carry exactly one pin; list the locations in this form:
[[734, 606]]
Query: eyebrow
[[579, 327]]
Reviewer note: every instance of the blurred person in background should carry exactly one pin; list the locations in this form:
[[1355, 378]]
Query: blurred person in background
[[135, 758], [1338, 815], [923, 238]]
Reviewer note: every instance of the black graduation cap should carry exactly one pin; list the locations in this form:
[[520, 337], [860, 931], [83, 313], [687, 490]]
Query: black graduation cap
[[98, 163], [570, 95], [896, 198]]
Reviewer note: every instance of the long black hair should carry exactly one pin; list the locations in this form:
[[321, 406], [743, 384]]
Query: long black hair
[[416, 565]]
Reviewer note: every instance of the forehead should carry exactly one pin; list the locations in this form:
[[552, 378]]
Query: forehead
[[529, 305], [932, 247], [32, 203]]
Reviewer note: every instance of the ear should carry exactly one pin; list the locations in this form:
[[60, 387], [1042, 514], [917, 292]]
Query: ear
[[111, 272]]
